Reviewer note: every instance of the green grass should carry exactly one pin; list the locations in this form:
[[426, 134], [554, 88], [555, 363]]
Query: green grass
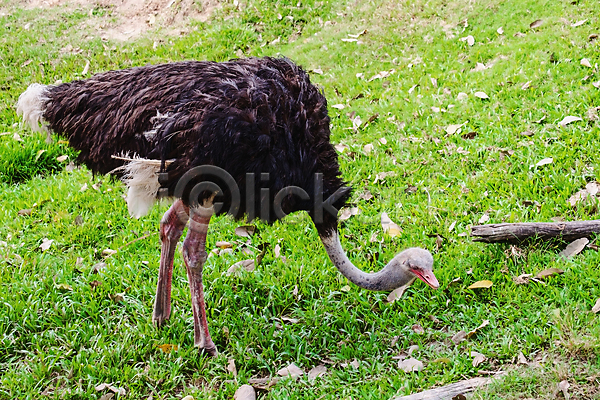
[[60, 336]]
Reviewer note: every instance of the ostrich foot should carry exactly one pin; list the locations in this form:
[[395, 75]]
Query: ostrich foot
[[171, 228]]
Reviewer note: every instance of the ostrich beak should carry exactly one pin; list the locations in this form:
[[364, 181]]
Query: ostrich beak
[[428, 277]]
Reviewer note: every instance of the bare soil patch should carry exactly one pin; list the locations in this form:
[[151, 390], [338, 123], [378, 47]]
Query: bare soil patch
[[128, 19]]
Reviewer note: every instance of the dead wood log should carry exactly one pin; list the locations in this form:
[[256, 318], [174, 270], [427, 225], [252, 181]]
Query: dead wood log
[[518, 232], [450, 391]]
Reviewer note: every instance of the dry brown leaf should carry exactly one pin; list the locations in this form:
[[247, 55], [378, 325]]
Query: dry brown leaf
[[368, 148], [390, 227], [383, 141], [526, 85], [223, 245], [452, 129], [462, 96], [545, 161], [522, 279], [245, 230], [46, 243], [64, 287], [564, 386], [25, 212], [574, 248], [366, 195], [397, 293], [478, 358], [434, 82], [481, 285], [536, 24], [469, 39], [484, 218], [569, 119], [231, 368], [244, 392], [247, 265], [476, 330], [418, 329], [290, 371], [459, 336], [316, 372], [500, 31], [108, 252], [62, 158], [410, 365], [579, 23], [481, 95], [586, 63], [547, 273], [596, 307], [521, 359], [341, 147], [98, 267]]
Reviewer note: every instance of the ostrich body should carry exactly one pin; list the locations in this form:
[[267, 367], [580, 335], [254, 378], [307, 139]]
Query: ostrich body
[[247, 137]]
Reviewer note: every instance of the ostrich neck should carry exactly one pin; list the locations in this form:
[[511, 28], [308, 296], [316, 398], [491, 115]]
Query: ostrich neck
[[389, 278]]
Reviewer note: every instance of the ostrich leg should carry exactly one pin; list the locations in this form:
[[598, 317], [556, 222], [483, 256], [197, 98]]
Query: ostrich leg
[[171, 228], [194, 255]]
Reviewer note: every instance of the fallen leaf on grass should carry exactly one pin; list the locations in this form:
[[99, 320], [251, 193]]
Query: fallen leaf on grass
[[522, 279], [167, 348], [290, 371], [98, 267], [476, 330], [397, 293], [586, 63], [564, 386], [459, 337], [341, 147], [316, 372], [526, 85], [117, 298], [108, 252], [547, 273], [46, 243], [25, 213], [368, 148], [484, 218], [338, 106], [579, 23], [478, 358], [574, 248], [418, 329], [469, 39], [545, 161], [462, 96], [481, 285], [390, 227], [114, 389], [247, 265], [62, 158], [536, 24], [231, 367], [410, 365], [244, 392], [596, 307], [481, 95], [452, 129], [263, 383], [569, 119], [348, 212], [521, 359], [245, 230], [223, 245]]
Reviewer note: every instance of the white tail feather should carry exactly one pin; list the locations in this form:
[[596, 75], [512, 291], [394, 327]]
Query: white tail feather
[[141, 177], [30, 106]]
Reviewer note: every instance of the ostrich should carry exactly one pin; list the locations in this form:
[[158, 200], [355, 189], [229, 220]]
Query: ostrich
[[248, 137]]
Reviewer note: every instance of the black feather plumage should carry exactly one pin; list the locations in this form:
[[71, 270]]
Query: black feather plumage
[[258, 115]]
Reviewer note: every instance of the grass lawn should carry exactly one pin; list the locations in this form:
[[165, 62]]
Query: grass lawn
[[446, 112]]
